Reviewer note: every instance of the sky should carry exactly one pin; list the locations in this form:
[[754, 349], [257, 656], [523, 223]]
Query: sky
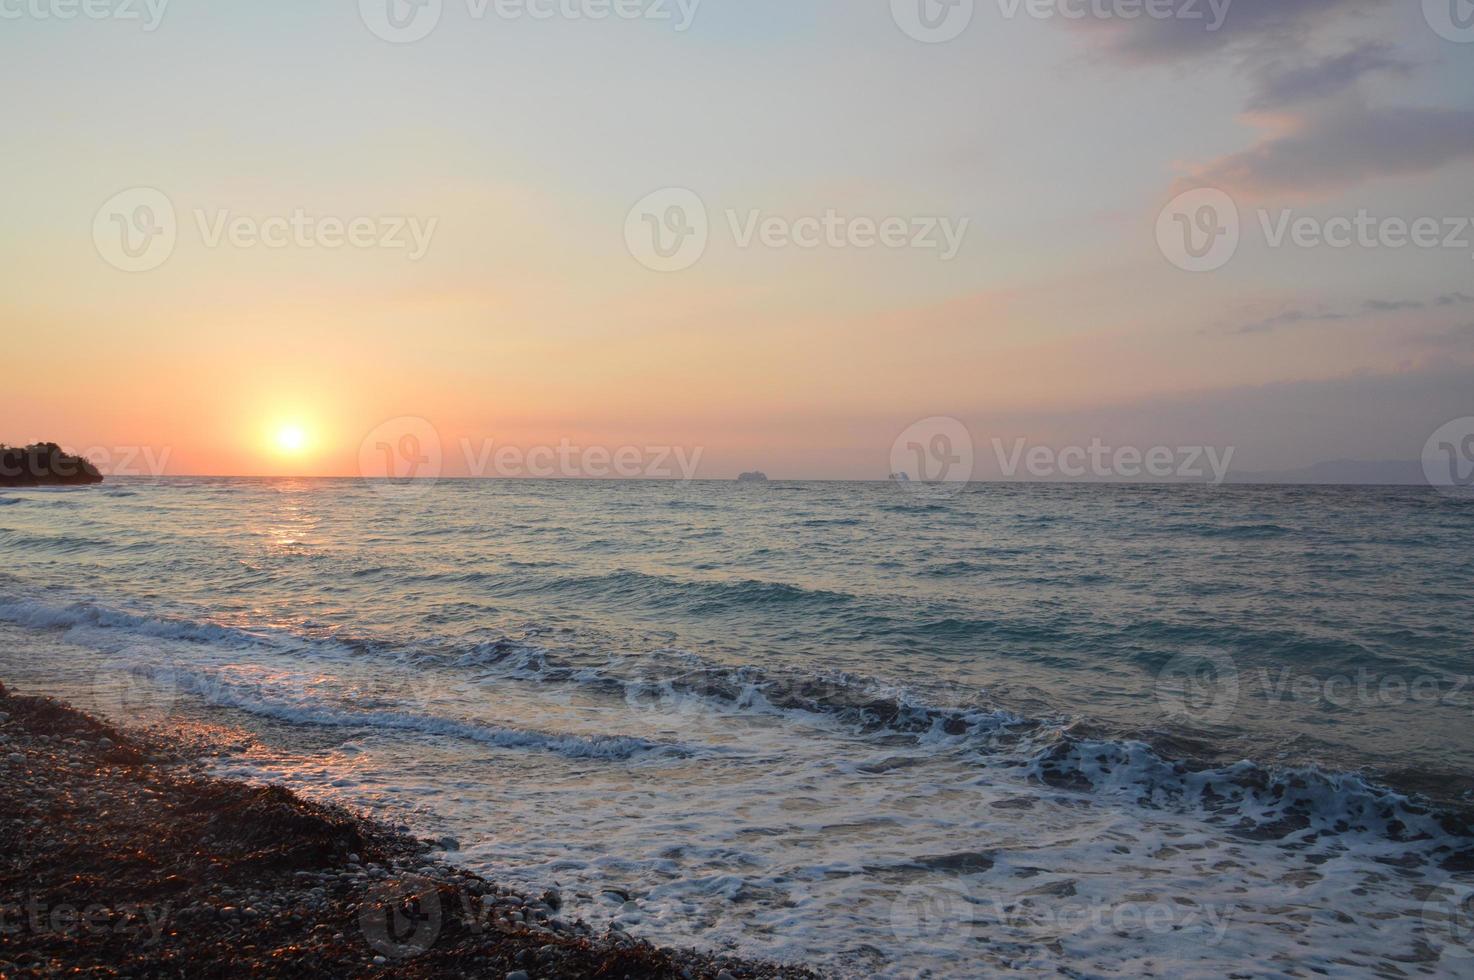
[[278, 237]]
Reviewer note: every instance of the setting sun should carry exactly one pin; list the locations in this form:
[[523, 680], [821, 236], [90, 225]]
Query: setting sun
[[291, 439]]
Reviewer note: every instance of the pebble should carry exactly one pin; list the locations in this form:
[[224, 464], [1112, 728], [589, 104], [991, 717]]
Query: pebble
[[16, 757], [517, 975]]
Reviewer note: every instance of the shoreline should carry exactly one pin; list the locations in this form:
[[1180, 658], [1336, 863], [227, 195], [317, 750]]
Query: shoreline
[[127, 860]]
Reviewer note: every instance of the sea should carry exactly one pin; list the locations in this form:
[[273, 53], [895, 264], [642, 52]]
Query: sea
[[883, 729]]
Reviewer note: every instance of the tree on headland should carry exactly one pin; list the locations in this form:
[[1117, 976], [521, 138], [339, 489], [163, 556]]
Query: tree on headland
[[43, 464]]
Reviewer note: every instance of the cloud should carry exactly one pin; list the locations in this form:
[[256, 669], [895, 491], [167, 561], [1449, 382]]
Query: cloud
[[1286, 319], [1320, 152], [1255, 25], [1320, 135], [1391, 305], [1280, 86], [1296, 317]]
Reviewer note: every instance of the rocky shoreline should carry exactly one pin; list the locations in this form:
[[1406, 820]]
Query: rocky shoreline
[[124, 859], [44, 464]]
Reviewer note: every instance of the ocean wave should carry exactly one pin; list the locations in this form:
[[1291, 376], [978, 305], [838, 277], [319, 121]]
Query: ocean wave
[[675, 679], [40, 615], [65, 544], [1256, 802], [256, 699], [696, 597]]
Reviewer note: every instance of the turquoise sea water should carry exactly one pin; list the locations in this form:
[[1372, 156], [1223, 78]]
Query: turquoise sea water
[[878, 728]]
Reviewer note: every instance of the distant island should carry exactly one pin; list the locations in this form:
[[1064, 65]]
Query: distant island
[[756, 476], [43, 464]]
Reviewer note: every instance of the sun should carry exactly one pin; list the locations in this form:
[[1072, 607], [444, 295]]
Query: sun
[[291, 439]]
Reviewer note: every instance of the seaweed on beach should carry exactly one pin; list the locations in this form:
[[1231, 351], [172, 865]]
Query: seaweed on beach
[[123, 859]]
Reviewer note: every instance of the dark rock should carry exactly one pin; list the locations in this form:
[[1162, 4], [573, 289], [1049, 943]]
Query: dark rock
[[44, 464]]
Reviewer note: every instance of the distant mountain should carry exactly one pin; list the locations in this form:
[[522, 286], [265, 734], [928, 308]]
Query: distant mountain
[[755, 476], [1388, 472], [44, 464]]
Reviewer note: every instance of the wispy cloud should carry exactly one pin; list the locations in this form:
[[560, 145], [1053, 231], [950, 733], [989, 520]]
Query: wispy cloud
[[1280, 86], [1298, 317], [1321, 133], [1323, 151], [1248, 26]]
